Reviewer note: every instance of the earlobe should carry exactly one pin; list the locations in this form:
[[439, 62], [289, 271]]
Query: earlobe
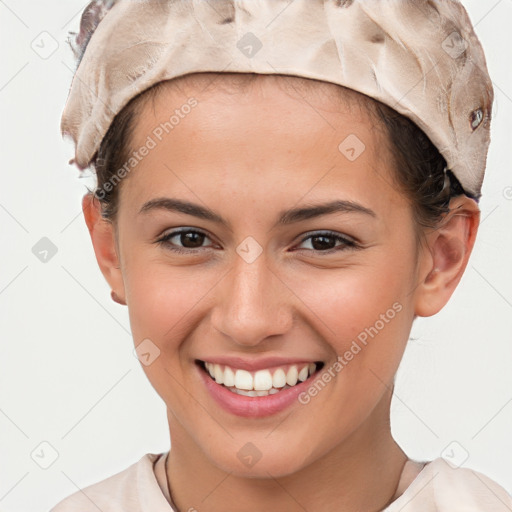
[[103, 239], [446, 256], [115, 298]]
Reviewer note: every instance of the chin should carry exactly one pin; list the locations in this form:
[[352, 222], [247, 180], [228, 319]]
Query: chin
[[261, 458]]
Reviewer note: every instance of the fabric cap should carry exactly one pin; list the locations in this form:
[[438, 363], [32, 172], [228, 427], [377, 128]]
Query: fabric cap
[[420, 57]]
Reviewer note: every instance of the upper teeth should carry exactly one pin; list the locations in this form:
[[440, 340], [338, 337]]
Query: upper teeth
[[262, 380]]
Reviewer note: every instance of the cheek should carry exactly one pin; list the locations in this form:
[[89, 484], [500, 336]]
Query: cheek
[[351, 299], [364, 313], [164, 304], [163, 300], [364, 316]]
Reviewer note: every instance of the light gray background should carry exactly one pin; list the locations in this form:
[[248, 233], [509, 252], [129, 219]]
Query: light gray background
[[68, 376]]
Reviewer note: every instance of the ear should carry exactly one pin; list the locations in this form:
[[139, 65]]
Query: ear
[[102, 232], [444, 256]]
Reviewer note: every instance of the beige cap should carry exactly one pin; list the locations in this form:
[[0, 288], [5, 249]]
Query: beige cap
[[420, 57]]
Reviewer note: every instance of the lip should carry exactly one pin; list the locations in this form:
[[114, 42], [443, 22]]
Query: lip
[[247, 406]]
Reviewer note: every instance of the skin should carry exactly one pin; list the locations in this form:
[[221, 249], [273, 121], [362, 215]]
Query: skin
[[248, 156]]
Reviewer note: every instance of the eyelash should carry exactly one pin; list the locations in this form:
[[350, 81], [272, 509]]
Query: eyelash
[[348, 244]]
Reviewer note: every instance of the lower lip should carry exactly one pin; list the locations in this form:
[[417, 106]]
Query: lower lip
[[252, 407]]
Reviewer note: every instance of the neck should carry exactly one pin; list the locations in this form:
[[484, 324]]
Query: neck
[[361, 473]]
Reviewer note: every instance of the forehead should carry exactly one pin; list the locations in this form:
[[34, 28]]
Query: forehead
[[257, 100], [262, 133]]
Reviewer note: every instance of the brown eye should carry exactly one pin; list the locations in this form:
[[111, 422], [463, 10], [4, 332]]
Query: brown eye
[[191, 239], [322, 242], [185, 240], [327, 242]]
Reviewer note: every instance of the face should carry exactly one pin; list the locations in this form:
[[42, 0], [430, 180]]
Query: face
[[256, 245]]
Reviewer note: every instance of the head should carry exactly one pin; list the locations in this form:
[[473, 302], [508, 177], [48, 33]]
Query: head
[[257, 273]]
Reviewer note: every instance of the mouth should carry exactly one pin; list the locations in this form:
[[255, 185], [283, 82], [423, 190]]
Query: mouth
[[263, 382]]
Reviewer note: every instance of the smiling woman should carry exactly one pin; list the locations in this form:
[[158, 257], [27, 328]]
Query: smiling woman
[[275, 237]]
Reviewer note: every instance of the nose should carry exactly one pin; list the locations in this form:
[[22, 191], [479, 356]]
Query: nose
[[253, 304]]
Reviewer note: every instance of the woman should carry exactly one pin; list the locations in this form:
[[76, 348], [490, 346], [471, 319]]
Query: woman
[[282, 189]]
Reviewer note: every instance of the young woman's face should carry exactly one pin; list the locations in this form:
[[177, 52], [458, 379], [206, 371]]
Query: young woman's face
[[296, 250]]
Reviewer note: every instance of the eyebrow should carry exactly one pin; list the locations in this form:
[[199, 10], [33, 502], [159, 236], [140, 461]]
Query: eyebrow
[[285, 217]]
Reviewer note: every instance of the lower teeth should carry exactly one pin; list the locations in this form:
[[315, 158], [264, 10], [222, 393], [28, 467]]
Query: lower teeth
[[252, 392]]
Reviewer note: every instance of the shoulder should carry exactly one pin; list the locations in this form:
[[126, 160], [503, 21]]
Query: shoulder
[[471, 489], [133, 489], [440, 487]]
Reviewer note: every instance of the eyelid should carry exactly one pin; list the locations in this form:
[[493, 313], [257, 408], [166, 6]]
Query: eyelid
[[348, 242], [164, 239], [329, 233]]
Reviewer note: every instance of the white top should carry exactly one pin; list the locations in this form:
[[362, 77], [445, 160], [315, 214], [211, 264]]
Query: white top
[[438, 487]]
